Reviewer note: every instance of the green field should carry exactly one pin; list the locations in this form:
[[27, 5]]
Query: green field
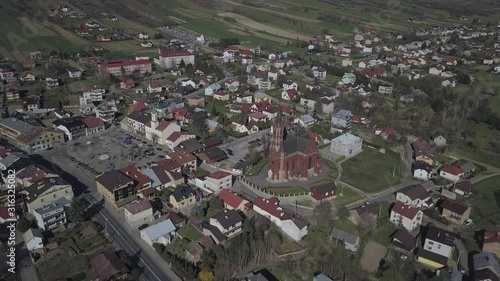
[[19, 33], [371, 170], [485, 203], [348, 196]]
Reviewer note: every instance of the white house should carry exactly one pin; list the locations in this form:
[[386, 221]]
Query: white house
[[52, 215], [306, 120], [347, 145], [290, 94], [415, 196], [219, 180], [210, 90], [319, 73], [405, 215], [224, 225], [74, 73], [284, 219], [451, 173], [289, 84], [437, 70], [138, 213], [154, 87], [351, 241], [422, 171], [162, 233], [33, 239], [440, 243]]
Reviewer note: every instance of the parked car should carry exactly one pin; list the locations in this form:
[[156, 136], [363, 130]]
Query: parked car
[[143, 226]]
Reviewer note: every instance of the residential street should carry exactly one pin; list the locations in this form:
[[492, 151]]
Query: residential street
[[155, 267]]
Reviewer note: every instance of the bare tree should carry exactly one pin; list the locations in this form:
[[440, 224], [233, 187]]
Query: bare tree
[[323, 213], [367, 224]]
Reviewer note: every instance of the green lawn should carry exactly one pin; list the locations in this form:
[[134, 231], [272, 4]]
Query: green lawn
[[383, 232], [257, 167], [371, 170], [280, 190], [345, 225], [62, 264], [485, 203], [190, 233], [348, 196]]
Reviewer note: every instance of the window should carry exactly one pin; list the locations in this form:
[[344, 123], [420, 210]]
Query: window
[[431, 243]]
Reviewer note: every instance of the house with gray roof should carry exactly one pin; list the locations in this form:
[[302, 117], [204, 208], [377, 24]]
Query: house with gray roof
[[52, 215], [486, 267], [162, 233], [227, 222], [342, 119], [351, 241], [347, 145], [33, 239]]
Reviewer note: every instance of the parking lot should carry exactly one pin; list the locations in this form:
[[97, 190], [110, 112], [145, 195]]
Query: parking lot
[[238, 148], [108, 150]]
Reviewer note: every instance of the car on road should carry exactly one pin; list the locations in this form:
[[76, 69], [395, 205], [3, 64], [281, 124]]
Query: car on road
[[143, 226], [230, 153], [258, 140]]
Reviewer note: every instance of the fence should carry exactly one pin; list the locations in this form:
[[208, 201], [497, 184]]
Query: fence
[[263, 192]]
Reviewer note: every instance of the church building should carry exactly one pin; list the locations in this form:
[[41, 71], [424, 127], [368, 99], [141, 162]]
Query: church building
[[291, 157]]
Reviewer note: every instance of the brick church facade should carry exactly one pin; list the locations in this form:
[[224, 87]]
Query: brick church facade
[[291, 157]]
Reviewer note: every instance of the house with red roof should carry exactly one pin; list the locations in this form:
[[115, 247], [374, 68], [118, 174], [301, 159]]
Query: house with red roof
[[177, 137], [154, 87], [219, 180], [119, 68], [364, 64], [231, 83], [108, 266], [324, 191], [257, 117], [5, 214], [172, 59], [169, 165], [491, 242], [141, 180], [93, 125], [319, 73], [406, 216], [451, 173], [290, 95], [127, 84], [284, 219], [234, 201]]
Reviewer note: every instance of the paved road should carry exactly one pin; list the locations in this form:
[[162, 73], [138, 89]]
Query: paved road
[[155, 268]]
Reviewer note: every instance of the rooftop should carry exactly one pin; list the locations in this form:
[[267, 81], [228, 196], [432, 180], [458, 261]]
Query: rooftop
[[346, 139], [139, 206]]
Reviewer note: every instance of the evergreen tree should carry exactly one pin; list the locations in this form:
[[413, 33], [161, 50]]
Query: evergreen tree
[[76, 213]]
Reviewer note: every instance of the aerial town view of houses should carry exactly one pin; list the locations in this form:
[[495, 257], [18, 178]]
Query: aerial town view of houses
[[247, 140]]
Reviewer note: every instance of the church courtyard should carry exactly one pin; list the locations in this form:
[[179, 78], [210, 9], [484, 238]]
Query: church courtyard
[[372, 170]]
